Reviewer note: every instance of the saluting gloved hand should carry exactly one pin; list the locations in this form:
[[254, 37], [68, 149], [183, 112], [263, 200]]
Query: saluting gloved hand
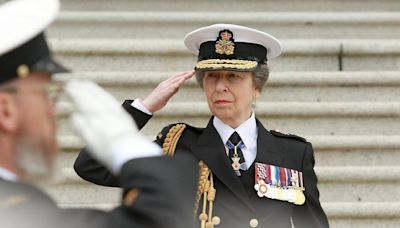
[[107, 129]]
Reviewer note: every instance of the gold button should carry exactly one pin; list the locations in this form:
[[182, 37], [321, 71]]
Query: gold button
[[253, 223], [216, 220], [23, 71]]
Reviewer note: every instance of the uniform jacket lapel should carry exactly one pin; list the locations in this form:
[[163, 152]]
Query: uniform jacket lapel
[[211, 150], [267, 148]]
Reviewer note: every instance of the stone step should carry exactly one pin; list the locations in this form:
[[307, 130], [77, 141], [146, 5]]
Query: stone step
[[366, 222], [365, 214], [232, 5], [340, 215], [363, 210], [69, 188], [330, 151], [360, 183], [340, 86], [283, 25], [302, 118], [128, 55]]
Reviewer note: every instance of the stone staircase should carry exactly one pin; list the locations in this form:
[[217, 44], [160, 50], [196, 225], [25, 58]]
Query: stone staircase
[[337, 83]]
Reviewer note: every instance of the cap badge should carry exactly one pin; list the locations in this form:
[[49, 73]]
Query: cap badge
[[225, 43]]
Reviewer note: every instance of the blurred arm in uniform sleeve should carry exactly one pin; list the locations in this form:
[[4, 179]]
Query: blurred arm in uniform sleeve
[[164, 191], [90, 169], [158, 190], [310, 214], [141, 112], [157, 194]]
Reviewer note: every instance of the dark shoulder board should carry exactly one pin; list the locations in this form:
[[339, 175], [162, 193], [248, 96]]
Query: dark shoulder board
[[285, 135], [163, 133]]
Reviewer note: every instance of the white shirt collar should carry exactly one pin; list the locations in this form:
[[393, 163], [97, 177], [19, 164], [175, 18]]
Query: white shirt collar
[[7, 175], [247, 130]]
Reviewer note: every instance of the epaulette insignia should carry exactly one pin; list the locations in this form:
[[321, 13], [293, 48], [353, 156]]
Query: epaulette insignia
[[159, 136], [281, 134], [131, 196], [163, 133]]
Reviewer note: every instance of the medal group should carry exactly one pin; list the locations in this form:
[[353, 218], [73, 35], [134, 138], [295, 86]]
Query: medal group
[[279, 183]]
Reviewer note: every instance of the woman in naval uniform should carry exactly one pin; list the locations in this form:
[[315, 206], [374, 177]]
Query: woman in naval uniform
[[249, 176]]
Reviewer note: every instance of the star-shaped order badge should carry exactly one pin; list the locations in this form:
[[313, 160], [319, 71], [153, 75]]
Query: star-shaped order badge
[[279, 183], [235, 163]]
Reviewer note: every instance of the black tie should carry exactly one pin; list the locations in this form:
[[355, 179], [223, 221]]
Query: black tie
[[235, 141]]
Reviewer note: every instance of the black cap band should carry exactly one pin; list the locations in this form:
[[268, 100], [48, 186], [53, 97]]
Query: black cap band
[[34, 54], [243, 51]]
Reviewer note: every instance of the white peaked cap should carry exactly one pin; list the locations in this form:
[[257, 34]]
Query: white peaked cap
[[194, 39], [21, 20]]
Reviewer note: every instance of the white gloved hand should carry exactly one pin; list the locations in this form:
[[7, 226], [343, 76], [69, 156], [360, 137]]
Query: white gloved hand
[[107, 129]]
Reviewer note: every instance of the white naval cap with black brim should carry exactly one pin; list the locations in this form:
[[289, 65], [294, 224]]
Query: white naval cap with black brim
[[23, 47], [231, 47]]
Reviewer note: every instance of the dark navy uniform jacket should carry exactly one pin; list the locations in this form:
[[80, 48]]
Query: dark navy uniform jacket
[[151, 200], [236, 200]]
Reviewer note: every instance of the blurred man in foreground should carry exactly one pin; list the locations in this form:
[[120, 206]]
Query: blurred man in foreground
[[157, 190]]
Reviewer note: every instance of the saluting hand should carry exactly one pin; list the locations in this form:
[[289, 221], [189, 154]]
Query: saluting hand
[[160, 96]]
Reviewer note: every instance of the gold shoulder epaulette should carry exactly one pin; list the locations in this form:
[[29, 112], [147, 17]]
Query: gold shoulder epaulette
[[172, 138]]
